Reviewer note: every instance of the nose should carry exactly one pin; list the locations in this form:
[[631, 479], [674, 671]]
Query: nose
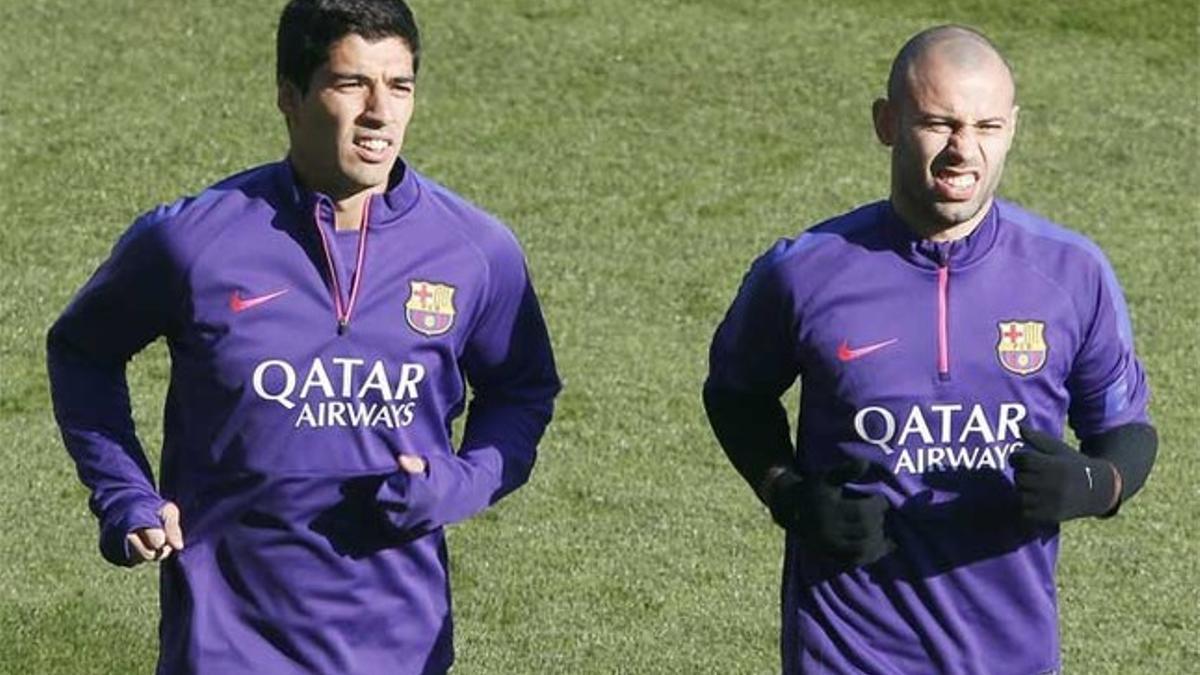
[[962, 142], [377, 106]]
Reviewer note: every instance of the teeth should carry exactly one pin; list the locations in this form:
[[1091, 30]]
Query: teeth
[[376, 144], [962, 181]]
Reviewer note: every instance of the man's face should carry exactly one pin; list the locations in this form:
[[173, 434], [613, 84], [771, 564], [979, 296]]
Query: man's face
[[950, 134], [347, 130]]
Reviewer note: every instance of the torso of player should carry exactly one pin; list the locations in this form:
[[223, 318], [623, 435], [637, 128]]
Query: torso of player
[[926, 369], [285, 392], [924, 359]]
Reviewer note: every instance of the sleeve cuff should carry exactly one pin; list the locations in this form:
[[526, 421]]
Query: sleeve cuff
[[115, 528], [409, 502]]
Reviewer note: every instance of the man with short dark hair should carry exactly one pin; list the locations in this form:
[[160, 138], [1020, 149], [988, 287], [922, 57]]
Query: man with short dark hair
[[941, 338], [324, 316]]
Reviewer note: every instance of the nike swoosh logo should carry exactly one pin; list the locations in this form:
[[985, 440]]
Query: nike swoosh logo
[[845, 353], [239, 304]]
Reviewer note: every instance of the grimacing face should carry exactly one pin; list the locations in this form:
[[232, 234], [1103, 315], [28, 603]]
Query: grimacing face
[[346, 131], [950, 134]]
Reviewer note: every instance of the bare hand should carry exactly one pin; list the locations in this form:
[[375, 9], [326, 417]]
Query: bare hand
[[157, 543], [411, 464]]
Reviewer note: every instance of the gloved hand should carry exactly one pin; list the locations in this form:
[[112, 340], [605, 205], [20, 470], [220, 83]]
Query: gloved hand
[[840, 525], [1056, 483]]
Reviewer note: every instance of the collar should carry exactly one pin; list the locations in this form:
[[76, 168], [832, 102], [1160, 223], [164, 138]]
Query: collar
[[926, 253], [388, 208]]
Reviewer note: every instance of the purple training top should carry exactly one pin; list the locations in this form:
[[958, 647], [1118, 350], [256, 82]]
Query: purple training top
[[303, 361], [922, 358]]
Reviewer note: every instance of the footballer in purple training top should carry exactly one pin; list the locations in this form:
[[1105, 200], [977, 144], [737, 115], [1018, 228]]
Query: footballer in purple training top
[[325, 316], [942, 339]]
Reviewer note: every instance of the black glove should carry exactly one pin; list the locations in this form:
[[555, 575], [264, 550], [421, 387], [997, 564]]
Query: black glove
[[1056, 483], [845, 527]]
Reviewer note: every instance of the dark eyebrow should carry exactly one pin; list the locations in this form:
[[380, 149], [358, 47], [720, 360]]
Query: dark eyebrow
[[359, 77]]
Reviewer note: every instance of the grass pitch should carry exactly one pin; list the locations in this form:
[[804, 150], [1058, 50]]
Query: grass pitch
[[645, 152]]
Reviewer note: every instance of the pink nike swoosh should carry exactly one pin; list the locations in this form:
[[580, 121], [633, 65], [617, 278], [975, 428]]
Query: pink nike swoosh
[[239, 304], [845, 353]]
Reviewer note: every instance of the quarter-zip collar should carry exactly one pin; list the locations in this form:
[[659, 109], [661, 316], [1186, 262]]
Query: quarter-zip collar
[[383, 210], [343, 306], [957, 255], [944, 259], [314, 214]]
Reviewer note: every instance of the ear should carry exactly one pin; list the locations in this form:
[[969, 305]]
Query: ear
[[885, 121], [287, 99], [1016, 109]]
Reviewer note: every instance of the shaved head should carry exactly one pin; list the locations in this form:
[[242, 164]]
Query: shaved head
[[949, 119], [954, 46]]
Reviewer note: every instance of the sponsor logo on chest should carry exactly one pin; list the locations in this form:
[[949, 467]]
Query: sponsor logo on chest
[[943, 436], [342, 391]]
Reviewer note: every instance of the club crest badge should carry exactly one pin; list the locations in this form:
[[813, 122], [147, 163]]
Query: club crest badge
[[1022, 347], [430, 307]]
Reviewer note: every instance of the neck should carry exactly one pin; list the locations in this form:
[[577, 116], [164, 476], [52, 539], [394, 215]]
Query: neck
[[348, 211], [928, 228], [348, 201]]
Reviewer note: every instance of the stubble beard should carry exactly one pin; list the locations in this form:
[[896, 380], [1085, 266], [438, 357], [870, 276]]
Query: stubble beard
[[920, 208]]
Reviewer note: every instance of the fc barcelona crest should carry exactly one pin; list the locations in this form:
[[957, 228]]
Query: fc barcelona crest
[[430, 307], [1022, 348]]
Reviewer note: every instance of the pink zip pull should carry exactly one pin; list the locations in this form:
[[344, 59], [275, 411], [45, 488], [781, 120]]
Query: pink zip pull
[[342, 311], [943, 291]]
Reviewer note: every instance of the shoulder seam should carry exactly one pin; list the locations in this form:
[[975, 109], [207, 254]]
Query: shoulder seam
[[1075, 241], [474, 245], [193, 259]]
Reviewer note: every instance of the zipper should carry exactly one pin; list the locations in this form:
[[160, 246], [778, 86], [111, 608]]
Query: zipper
[[343, 310], [943, 338]]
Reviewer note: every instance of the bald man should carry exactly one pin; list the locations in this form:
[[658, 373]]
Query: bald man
[[942, 337]]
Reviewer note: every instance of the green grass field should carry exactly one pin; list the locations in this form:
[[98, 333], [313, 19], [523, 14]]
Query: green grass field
[[644, 152]]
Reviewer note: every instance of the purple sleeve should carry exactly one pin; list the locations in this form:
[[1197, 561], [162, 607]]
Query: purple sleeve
[[509, 364], [121, 309], [1107, 383], [754, 349]]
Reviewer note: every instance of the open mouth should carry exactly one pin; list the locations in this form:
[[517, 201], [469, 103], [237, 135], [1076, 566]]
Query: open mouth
[[954, 185], [372, 148]]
